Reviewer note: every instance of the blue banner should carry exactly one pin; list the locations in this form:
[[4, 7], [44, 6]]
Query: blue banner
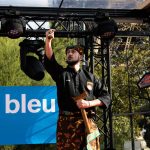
[[28, 114]]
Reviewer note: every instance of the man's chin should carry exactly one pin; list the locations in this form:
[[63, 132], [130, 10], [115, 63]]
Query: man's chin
[[71, 63]]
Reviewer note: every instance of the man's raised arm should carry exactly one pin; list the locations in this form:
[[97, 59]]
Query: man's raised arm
[[48, 43]]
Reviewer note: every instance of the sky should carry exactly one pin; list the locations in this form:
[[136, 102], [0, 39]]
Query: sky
[[41, 3], [73, 3]]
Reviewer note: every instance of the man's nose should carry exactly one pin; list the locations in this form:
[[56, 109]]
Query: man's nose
[[70, 53]]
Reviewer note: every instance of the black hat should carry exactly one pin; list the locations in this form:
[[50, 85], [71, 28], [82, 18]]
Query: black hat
[[78, 48]]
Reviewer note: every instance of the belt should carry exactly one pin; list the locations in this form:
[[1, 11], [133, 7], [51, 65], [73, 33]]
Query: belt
[[68, 113], [75, 114]]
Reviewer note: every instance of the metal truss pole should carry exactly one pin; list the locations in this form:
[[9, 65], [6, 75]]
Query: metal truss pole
[[106, 77], [105, 61], [100, 58]]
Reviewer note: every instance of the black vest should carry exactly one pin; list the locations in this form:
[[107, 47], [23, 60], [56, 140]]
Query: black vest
[[71, 84]]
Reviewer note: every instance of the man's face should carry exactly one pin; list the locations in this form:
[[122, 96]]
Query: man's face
[[72, 56]]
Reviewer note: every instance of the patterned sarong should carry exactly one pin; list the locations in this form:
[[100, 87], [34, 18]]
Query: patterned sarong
[[71, 133]]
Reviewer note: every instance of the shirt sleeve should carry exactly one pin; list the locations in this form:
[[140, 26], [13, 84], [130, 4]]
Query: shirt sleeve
[[52, 67], [101, 93]]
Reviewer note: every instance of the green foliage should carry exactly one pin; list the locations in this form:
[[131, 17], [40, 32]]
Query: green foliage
[[7, 147], [12, 75], [128, 66], [10, 72], [30, 147]]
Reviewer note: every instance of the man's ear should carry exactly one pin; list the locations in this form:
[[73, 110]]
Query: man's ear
[[81, 57]]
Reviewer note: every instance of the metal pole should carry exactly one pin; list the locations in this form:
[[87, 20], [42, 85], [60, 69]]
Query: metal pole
[[109, 83], [130, 103], [103, 59]]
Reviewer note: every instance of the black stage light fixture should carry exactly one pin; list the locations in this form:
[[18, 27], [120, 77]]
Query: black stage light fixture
[[144, 82], [31, 57], [13, 27], [105, 26]]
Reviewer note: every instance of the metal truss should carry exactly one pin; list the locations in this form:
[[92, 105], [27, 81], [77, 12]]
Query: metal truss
[[79, 23], [101, 65], [69, 22]]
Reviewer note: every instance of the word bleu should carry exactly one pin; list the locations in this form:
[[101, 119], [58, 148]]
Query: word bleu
[[32, 105]]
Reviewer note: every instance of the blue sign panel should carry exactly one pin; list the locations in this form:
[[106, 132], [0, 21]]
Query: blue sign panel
[[28, 114]]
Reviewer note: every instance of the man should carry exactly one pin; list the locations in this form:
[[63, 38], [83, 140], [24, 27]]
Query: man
[[71, 82]]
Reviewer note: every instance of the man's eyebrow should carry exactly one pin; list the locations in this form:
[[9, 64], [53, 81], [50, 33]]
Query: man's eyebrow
[[71, 49]]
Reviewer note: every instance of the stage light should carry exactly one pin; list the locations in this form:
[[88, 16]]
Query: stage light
[[13, 27], [105, 27], [31, 56]]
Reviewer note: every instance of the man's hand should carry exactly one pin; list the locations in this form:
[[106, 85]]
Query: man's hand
[[86, 104], [50, 34], [83, 103]]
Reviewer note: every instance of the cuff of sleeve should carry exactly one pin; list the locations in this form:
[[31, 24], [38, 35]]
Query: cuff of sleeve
[[105, 100]]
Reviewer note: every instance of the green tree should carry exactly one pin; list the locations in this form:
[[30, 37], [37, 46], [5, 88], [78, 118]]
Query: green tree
[[12, 75], [128, 66]]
